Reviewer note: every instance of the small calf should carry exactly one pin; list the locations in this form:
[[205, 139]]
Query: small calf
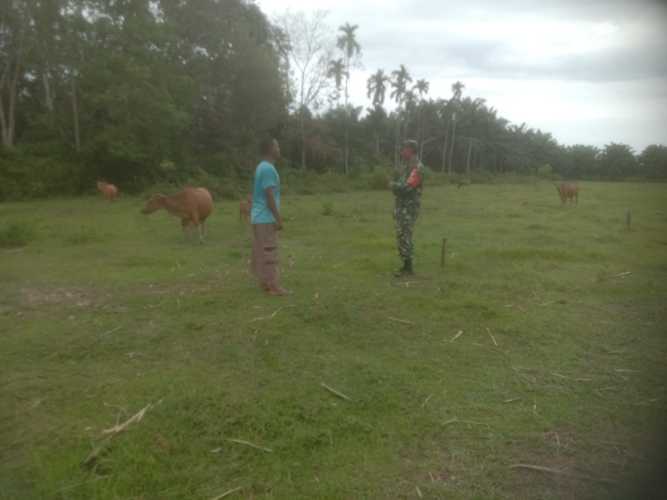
[[108, 191], [192, 206], [568, 191], [245, 208]]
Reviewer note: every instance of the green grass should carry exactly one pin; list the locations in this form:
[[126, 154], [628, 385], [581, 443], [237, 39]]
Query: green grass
[[104, 311], [15, 235]]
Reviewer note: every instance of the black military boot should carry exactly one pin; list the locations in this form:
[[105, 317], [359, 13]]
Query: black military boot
[[406, 270]]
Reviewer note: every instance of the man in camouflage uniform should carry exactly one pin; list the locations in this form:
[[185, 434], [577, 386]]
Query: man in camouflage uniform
[[407, 190]]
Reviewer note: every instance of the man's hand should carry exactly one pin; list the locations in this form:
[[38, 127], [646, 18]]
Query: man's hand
[[279, 224]]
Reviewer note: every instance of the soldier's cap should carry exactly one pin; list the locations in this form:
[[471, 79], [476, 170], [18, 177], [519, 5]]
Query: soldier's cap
[[412, 144]]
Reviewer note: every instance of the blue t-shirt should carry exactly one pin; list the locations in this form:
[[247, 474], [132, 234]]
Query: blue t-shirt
[[266, 176]]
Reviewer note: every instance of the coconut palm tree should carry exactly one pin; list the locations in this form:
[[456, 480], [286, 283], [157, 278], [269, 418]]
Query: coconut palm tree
[[399, 83], [376, 90], [457, 91], [400, 80], [336, 71], [348, 44], [421, 88]]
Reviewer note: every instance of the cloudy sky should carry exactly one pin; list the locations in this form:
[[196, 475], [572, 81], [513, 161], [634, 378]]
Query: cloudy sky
[[588, 71]]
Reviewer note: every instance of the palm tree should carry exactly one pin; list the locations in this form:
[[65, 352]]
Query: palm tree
[[336, 71], [377, 88], [444, 115], [399, 83], [348, 44], [457, 90], [377, 92], [422, 88]]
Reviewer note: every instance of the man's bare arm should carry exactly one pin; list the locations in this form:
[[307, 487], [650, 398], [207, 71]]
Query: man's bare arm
[[271, 201]]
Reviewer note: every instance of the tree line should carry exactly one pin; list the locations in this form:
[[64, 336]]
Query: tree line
[[144, 91]]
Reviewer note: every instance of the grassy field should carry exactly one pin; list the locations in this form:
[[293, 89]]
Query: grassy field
[[541, 342]]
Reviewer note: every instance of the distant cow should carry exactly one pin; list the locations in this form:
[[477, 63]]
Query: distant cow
[[192, 206], [568, 191], [109, 191], [245, 207]]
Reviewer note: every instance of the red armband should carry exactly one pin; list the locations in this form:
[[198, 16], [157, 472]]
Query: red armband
[[415, 179]]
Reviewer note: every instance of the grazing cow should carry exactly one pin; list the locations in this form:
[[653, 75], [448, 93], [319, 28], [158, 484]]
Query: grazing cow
[[192, 206], [568, 191], [245, 207], [109, 191]]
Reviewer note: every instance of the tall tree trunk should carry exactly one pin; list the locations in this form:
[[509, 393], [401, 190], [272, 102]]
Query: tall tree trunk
[[468, 159], [3, 118], [347, 150], [302, 135], [346, 153], [48, 98], [8, 116], [302, 124], [397, 137], [75, 117], [445, 149], [419, 128], [451, 149], [377, 144]]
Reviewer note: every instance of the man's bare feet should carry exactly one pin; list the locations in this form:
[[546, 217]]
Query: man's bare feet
[[278, 292]]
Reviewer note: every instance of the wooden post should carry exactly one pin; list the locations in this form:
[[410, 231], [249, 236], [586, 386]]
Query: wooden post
[[442, 252]]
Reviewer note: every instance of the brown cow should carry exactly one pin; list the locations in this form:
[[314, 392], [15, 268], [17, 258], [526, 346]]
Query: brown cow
[[568, 191], [245, 208], [109, 191], [192, 206]]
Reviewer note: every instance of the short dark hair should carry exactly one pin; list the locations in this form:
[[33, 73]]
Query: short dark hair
[[266, 145], [412, 144]]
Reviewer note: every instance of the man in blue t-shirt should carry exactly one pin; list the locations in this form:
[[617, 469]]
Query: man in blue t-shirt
[[266, 220]]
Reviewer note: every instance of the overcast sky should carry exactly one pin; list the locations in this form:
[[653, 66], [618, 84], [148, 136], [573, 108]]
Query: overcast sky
[[588, 71]]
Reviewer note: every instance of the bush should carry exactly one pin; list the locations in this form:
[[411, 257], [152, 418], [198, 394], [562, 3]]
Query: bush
[[16, 235], [24, 174]]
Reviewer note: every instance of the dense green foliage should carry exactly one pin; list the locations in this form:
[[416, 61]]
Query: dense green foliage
[[167, 91], [561, 362], [134, 91]]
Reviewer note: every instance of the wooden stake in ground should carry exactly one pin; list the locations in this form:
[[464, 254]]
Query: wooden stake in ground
[[628, 219], [443, 252]]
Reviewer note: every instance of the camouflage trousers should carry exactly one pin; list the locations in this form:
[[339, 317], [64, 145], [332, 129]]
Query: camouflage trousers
[[405, 217]]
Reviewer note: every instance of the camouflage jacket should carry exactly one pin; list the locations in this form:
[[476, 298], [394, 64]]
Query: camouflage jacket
[[408, 185]]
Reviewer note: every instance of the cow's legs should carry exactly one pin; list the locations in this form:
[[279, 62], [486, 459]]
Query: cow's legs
[[185, 223]]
